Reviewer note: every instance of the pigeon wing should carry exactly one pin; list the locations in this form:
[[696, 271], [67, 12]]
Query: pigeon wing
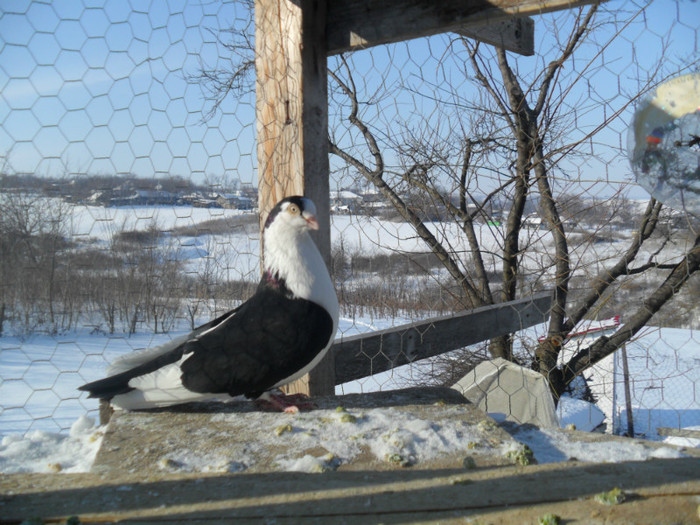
[[271, 337]]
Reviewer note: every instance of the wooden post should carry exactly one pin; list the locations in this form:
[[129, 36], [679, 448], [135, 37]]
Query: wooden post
[[292, 124], [628, 392]]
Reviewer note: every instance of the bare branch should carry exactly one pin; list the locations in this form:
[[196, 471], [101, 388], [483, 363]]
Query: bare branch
[[605, 346], [554, 67], [376, 177], [604, 279]]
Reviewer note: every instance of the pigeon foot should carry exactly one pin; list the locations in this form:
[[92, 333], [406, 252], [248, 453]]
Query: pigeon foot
[[279, 401]]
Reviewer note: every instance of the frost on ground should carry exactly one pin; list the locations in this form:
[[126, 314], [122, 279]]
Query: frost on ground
[[323, 440], [552, 445], [40, 451]]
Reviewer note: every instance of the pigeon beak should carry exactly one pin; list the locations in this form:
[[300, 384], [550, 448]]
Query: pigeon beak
[[311, 221]]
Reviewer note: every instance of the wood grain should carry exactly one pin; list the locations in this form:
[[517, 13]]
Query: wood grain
[[359, 24], [366, 354], [292, 123]]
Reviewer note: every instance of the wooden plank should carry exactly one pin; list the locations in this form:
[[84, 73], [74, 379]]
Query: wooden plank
[[144, 441], [515, 34], [292, 122], [359, 24], [291, 102], [678, 432], [363, 355], [659, 491]]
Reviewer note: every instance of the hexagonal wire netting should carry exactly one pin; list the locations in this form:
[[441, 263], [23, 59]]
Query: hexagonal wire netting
[[460, 177]]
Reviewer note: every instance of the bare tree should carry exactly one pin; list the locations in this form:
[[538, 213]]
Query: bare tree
[[524, 125], [32, 242], [515, 132]]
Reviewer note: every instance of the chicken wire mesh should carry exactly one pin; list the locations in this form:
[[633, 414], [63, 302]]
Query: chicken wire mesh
[[129, 179]]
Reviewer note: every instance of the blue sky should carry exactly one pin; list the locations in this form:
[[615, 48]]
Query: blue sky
[[99, 87]]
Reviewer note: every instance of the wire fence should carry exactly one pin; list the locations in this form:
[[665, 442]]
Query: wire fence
[[460, 177]]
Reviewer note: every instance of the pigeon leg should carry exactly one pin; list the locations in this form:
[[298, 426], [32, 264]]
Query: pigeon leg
[[291, 404]]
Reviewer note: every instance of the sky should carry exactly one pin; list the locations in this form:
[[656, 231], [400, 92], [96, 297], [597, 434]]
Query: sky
[[101, 87]]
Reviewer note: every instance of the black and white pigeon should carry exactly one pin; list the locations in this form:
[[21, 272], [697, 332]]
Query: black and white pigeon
[[272, 339]]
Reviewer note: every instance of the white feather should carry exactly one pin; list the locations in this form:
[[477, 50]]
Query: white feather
[[292, 255], [133, 359], [160, 388]]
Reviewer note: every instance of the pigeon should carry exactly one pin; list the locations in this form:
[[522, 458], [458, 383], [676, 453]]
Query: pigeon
[[272, 339]]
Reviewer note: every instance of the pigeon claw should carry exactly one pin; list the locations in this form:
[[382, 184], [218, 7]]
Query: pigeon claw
[[289, 404]]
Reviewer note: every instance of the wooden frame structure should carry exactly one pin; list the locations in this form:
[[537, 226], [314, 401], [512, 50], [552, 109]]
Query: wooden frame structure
[[293, 39]]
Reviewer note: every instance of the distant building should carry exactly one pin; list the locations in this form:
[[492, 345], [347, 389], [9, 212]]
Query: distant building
[[145, 198], [235, 201], [345, 201], [533, 221]]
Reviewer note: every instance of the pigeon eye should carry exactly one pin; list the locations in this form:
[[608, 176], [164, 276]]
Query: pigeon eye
[[293, 209]]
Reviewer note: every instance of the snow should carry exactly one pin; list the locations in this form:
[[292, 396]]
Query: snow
[[579, 414], [550, 446], [391, 435], [102, 223], [665, 382], [39, 402], [40, 451], [685, 441]]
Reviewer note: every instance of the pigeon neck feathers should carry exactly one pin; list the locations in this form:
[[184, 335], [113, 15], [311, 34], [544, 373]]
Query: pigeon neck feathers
[[292, 262]]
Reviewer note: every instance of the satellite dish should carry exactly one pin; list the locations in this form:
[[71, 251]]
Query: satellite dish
[[664, 143]]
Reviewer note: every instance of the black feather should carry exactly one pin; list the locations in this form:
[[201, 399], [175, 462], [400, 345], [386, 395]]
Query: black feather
[[117, 384], [270, 338]]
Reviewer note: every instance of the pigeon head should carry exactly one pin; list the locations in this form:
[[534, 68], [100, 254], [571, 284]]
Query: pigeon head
[[290, 255], [292, 214]]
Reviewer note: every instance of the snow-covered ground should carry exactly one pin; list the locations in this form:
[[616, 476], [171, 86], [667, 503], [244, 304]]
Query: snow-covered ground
[[239, 249], [40, 451], [102, 223]]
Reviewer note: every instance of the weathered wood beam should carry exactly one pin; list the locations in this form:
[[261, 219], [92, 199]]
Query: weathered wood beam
[[514, 34], [663, 491], [678, 432], [292, 122], [367, 354], [359, 24]]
